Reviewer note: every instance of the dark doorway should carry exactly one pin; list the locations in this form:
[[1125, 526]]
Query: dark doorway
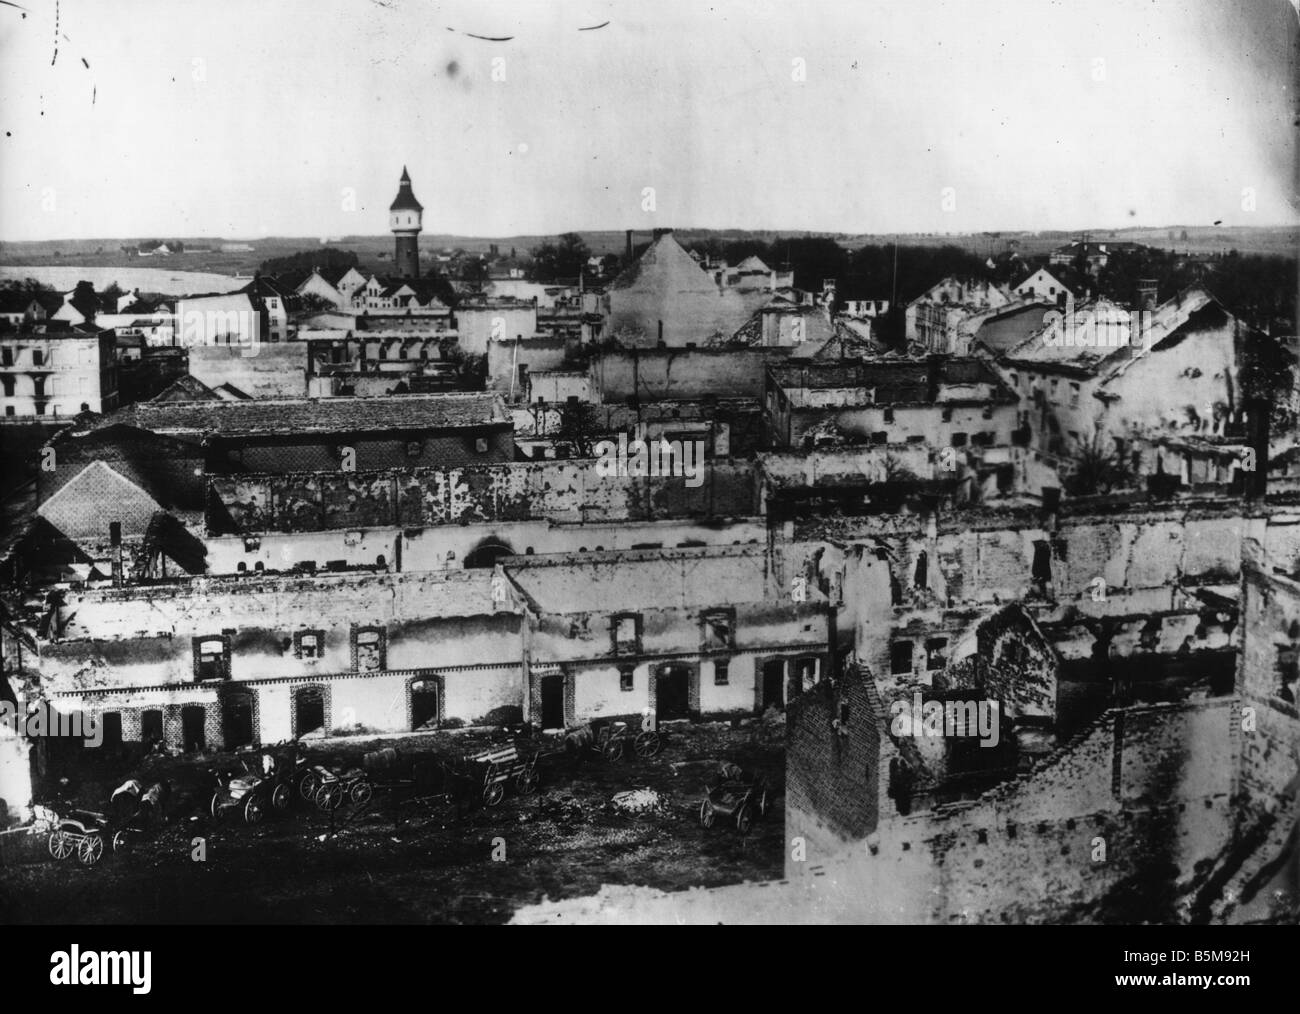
[[111, 721], [151, 727], [1041, 570], [237, 719], [553, 701], [424, 704], [193, 734], [308, 710], [486, 554], [773, 680], [673, 693]]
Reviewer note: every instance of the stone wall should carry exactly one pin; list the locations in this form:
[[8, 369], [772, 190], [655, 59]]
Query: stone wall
[[571, 491]]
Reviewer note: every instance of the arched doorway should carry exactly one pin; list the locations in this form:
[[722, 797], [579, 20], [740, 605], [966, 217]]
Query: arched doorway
[[309, 710], [486, 554], [426, 702], [237, 712]]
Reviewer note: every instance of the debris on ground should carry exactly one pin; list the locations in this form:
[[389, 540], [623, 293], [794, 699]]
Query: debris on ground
[[638, 802]]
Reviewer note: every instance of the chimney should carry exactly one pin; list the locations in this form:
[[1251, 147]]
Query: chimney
[[1147, 290], [1257, 412], [662, 232], [627, 248], [115, 541]]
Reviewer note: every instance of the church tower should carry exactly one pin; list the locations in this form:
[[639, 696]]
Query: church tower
[[404, 219]]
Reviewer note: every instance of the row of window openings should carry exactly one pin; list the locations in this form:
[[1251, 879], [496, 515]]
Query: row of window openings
[[627, 675], [986, 413], [806, 668], [212, 654], [719, 631], [985, 439], [9, 385], [7, 358], [1053, 388], [40, 406]]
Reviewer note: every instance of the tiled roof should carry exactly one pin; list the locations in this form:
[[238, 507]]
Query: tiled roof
[[186, 388], [666, 263], [326, 415], [262, 287]]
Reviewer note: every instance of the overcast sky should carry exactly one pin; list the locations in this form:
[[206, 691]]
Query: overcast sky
[[243, 118]]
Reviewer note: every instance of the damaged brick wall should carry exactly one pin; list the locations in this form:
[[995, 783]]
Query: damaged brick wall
[[679, 374], [1027, 848], [834, 761], [266, 370], [420, 497]]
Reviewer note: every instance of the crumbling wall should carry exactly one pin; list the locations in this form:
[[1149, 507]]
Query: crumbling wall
[[1270, 732], [1152, 783], [834, 760], [145, 636], [265, 370], [562, 491], [275, 552], [15, 776], [678, 374]]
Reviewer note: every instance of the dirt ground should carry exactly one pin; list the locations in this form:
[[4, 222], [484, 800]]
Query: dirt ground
[[413, 863]]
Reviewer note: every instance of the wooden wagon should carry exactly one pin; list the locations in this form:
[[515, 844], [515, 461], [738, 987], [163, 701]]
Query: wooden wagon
[[502, 765]]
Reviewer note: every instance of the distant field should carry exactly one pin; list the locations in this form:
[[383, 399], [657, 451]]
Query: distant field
[[375, 252]]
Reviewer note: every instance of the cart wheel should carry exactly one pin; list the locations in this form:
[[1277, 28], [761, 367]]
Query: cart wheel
[[743, 819], [614, 750], [329, 796], [214, 807], [361, 792], [281, 797], [253, 810], [706, 814], [121, 841], [647, 744], [90, 849], [527, 781], [308, 787], [494, 793], [60, 845]]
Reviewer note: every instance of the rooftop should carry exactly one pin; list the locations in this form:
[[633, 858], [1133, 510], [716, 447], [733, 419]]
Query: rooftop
[[327, 415]]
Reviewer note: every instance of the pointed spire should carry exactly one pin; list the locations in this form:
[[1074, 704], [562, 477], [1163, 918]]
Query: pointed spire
[[405, 200]]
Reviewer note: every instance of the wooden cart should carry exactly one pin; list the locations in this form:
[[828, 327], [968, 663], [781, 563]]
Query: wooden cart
[[502, 765]]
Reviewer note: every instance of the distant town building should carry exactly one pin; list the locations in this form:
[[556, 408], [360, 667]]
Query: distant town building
[[57, 369]]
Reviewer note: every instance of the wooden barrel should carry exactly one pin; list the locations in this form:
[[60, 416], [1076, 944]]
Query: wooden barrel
[[379, 760]]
